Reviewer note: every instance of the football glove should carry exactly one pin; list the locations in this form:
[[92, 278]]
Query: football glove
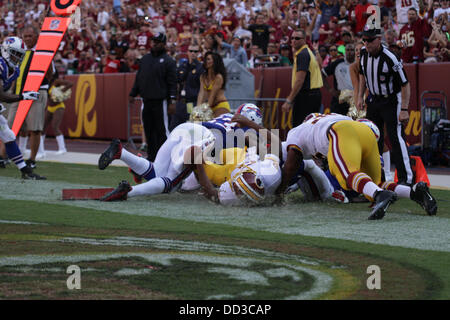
[[30, 95]]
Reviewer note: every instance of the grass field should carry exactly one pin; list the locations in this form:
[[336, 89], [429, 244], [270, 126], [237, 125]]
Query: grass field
[[181, 246]]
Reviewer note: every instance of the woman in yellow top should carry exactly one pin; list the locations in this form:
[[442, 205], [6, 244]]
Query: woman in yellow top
[[212, 84], [54, 116]]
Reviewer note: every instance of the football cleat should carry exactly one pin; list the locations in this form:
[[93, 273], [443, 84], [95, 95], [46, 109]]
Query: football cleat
[[27, 174], [421, 194], [31, 163], [118, 194], [383, 199], [113, 152]]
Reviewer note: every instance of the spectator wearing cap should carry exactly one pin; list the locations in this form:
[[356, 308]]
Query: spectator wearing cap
[[285, 52], [305, 96], [156, 83], [110, 62]]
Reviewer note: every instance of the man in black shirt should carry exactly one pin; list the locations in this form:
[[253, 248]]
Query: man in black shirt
[[156, 82], [260, 33], [384, 76]]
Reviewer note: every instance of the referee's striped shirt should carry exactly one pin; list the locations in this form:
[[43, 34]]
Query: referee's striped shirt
[[384, 73]]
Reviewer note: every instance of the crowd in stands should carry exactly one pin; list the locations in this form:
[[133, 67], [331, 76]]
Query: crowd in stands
[[114, 34]]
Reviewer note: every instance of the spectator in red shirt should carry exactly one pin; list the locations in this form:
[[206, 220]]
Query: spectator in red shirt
[[412, 35], [230, 20], [84, 63], [80, 42], [361, 15], [144, 37], [330, 33], [111, 63], [283, 34]]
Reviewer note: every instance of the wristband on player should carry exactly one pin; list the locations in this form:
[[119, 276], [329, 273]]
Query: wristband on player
[[403, 109]]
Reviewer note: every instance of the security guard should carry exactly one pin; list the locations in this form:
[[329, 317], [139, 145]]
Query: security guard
[[384, 76], [188, 78], [156, 82], [305, 96]]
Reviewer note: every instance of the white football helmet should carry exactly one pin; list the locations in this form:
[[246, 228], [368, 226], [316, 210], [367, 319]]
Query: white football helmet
[[372, 126], [248, 186], [13, 51], [251, 112]]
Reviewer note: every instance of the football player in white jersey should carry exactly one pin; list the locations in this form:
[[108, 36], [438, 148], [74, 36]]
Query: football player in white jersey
[[353, 158], [172, 163]]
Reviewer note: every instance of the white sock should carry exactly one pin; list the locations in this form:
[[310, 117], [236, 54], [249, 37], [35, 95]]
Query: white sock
[[23, 143], [370, 188], [41, 144], [151, 187], [403, 191], [387, 165], [138, 164], [60, 141]]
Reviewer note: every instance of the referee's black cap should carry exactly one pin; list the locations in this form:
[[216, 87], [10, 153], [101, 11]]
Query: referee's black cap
[[371, 31]]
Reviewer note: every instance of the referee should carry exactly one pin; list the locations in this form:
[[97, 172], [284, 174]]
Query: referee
[[388, 101]]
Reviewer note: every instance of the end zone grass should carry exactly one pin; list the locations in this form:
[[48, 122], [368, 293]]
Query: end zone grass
[[191, 243]]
